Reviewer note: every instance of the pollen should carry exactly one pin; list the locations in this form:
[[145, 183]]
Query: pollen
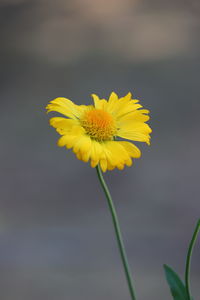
[[99, 125]]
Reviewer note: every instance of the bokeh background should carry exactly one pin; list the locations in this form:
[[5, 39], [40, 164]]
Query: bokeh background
[[56, 235]]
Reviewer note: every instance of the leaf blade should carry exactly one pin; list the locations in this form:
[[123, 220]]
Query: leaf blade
[[176, 285]]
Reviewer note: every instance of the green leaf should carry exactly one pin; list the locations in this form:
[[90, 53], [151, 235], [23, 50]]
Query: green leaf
[[177, 287]]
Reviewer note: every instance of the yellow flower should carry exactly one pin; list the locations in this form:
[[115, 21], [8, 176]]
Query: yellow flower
[[92, 131]]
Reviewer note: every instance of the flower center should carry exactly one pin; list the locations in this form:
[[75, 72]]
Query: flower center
[[99, 124]]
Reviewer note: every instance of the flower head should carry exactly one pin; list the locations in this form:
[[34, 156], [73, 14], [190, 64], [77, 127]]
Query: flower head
[[92, 131]]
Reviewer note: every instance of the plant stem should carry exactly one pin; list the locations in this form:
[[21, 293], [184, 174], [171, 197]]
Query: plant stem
[[188, 260], [117, 232]]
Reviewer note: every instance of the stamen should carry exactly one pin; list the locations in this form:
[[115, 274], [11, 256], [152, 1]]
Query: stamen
[[99, 124]]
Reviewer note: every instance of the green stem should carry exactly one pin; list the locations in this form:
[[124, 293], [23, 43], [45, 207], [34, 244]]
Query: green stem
[[188, 260], [117, 232]]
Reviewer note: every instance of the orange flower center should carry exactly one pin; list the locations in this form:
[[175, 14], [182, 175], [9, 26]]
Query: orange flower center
[[99, 125]]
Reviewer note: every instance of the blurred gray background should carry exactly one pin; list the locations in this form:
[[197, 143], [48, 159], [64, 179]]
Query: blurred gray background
[[56, 235]]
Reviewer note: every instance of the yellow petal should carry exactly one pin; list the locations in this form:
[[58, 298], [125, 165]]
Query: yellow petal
[[83, 144], [65, 107], [94, 163], [138, 115], [99, 103], [96, 151], [110, 166], [131, 125], [120, 166], [115, 153], [70, 139], [127, 108], [120, 106], [127, 97], [62, 125], [113, 102], [67, 140], [103, 165], [113, 98], [134, 136], [129, 162], [83, 148], [132, 150]]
